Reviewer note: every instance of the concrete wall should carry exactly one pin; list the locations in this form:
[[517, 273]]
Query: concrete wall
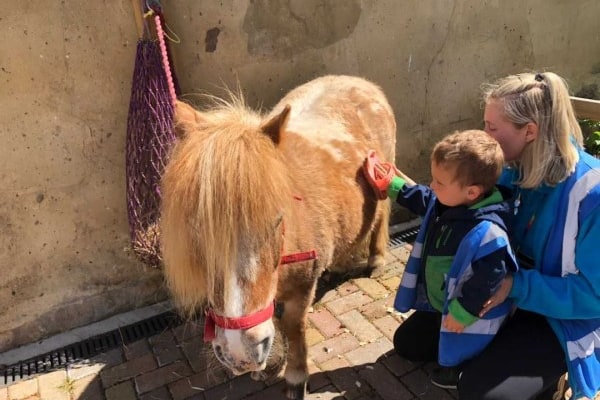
[[65, 81]]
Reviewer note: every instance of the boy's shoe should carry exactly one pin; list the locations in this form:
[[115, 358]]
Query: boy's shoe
[[445, 377]]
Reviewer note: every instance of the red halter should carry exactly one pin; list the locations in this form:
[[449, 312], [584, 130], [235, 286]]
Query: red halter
[[212, 319], [244, 322]]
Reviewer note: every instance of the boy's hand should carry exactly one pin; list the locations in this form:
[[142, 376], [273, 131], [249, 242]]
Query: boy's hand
[[452, 324], [379, 174]]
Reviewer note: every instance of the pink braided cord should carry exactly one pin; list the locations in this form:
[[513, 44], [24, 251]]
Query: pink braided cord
[[165, 58]]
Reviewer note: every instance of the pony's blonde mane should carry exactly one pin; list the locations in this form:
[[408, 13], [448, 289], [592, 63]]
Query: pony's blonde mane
[[228, 182]]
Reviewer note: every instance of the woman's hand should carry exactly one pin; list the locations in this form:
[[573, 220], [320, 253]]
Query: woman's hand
[[498, 297]]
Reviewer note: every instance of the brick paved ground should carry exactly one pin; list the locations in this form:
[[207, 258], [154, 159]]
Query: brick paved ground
[[351, 357]]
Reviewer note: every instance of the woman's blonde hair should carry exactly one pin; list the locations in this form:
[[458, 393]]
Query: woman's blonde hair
[[543, 99]]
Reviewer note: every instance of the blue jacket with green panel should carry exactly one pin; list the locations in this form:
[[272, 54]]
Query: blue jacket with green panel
[[459, 258]]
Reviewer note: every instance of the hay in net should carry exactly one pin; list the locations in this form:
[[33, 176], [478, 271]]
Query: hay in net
[[149, 137]]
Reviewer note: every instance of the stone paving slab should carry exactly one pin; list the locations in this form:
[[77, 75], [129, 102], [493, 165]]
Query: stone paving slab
[[351, 357]]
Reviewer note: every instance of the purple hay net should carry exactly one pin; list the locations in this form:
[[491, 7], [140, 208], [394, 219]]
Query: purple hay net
[[149, 137]]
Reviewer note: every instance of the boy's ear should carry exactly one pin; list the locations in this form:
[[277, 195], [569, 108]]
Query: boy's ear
[[474, 192]]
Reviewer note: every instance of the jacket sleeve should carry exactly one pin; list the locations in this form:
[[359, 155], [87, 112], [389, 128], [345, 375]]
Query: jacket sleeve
[[574, 296], [415, 198], [488, 273]]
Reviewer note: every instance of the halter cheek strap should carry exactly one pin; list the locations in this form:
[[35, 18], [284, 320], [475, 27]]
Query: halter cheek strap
[[245, 322]]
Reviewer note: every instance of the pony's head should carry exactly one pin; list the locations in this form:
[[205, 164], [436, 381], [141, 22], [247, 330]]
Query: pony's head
[[226, 179]]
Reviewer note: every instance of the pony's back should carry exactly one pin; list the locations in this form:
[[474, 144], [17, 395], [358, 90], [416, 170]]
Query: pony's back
[[333, 122]]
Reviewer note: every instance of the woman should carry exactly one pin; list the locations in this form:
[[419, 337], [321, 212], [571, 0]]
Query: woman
[[556, 235]]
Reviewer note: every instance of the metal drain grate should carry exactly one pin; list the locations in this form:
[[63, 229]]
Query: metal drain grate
[[90, 347], [401, 238], [121, 336]]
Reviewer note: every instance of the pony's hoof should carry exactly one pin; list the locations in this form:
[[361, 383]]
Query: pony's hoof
[[296, 392]]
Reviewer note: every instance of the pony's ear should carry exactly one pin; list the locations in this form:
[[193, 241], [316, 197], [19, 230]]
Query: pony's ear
[[273, 127], [186, 118]]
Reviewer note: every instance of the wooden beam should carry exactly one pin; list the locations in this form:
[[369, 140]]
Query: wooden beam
[[139, 19], [586, 108]]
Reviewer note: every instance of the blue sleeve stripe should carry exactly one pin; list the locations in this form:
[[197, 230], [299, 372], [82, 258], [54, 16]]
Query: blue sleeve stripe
[[590, 203], [581, 188], [491, 247], [409, 280], [416, 250], [585, 346]]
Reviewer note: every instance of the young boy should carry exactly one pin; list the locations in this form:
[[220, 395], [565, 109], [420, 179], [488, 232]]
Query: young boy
[[462, 250]]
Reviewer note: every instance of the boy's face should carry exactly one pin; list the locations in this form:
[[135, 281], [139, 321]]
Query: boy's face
[[448, 190]]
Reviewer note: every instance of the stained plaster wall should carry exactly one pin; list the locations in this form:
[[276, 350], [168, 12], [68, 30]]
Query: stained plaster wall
[[65, 80]]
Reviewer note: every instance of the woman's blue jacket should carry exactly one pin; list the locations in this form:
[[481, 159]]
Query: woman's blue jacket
[[558, 230]]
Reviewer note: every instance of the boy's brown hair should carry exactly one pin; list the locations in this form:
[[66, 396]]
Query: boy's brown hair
[[475, 156]]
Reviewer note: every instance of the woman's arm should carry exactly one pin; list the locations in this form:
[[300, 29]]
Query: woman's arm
[[574, 296]]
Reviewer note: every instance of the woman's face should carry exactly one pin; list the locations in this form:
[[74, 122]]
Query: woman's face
[[512, 139]]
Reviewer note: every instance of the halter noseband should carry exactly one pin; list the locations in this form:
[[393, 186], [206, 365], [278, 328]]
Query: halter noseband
[[211, 319], [244, 322]]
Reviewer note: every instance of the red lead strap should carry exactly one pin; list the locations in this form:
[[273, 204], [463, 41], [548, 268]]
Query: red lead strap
[[295, 257], [245, 322], [299, 257]]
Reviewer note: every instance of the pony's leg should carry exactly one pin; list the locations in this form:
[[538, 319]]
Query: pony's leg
[[293, 325], [379, 236]]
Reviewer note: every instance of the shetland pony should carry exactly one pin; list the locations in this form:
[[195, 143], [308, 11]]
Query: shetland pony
[[255, 207]]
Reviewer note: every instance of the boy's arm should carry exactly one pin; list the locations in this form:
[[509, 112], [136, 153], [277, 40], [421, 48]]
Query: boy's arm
[[415, 198], [488, 273]]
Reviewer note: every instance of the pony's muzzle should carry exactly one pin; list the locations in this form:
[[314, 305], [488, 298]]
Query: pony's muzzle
[[262, 351], [244, 350]]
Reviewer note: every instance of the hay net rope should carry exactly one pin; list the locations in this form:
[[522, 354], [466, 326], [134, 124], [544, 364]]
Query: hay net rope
[[150, 136]]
